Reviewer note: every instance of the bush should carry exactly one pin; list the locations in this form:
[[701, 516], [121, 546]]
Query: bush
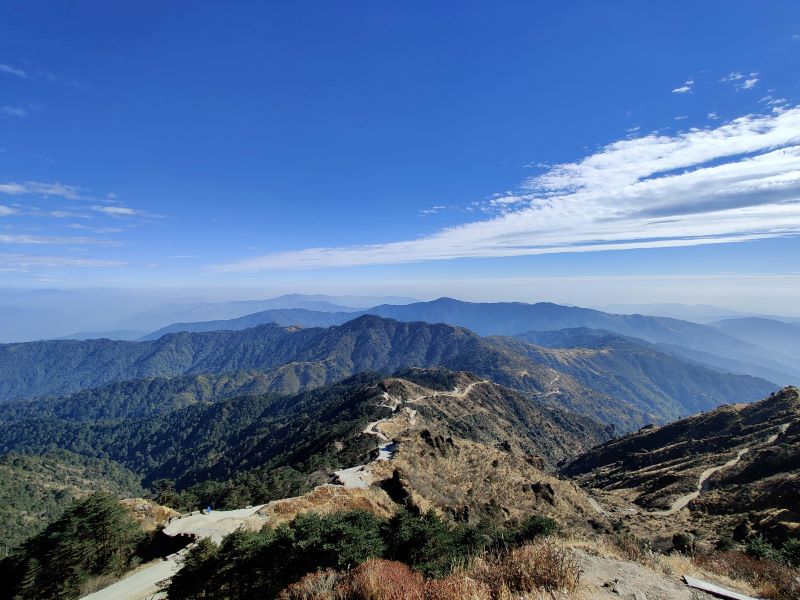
[[757, 547], [790, 551], [725, 544], [684, 543], [535, 527], [427, 543], [322, 585]]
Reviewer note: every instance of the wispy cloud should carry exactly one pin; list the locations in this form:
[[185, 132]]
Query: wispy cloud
[[117, 211], [14, 111], [7, 210], [741, 82], [685, 88], [13, 261], [93, 229], [46, 240], [424, 212], [9, 70], [736, 182], [71, 192]]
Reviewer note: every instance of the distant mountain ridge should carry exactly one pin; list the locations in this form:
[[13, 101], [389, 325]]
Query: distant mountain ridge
[[296, 359], [288, 360], [721, 350], [278, 316]]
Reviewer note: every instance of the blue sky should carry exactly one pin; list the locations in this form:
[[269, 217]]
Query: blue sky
[[619, 150]]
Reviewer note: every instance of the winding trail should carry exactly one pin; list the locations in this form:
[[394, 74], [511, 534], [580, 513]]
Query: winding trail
[[143, 583], [683, 501], [360, 476]]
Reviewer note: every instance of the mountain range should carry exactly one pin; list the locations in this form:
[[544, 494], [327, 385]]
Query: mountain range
[[765, 354], [291, 359]]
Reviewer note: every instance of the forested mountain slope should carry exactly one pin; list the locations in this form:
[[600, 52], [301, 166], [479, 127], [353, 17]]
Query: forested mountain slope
[[636, 371], [299, 359], [288, 360], [313, 432], [510, 318], [35, 489]]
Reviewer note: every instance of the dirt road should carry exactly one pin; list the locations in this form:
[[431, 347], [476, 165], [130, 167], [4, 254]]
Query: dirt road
[[684, 500], [143, 584]]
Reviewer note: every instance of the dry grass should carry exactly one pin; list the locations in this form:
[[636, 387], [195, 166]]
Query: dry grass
[[457, 587], [538, 570], [314, 586], [772, 580], [541, 566], [379, 579]]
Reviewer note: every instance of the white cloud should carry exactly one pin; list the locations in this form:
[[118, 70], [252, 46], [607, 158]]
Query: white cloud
[[70, 192], [685, 88], [92, 229], [424, 212], [44, 240], [741, 82], [681, 117], [7, 210], [13, 111], [713, 116], [9, 70], [117, 211], [737, 182], [23, 262]]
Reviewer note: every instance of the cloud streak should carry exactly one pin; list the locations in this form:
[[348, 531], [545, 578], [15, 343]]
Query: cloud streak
[[9, 70], [71, 192], [685, 88], [14, 261], [736, 182]]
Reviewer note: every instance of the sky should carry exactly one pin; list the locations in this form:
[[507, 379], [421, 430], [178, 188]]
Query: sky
[[579, 152]]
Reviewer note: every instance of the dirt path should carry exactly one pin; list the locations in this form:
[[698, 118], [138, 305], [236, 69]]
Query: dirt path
[[360, 476], [552, 383], [141, 585], [684, 500], [215, 525]]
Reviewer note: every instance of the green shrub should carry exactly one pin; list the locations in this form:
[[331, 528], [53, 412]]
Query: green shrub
[[534, 527], [757, 547], [790, 551], [684, 543], [725, 544]]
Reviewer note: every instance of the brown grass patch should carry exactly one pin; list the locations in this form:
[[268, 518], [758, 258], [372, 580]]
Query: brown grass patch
[[543, 565], [457, 587], [772, 580], [379, 579]]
